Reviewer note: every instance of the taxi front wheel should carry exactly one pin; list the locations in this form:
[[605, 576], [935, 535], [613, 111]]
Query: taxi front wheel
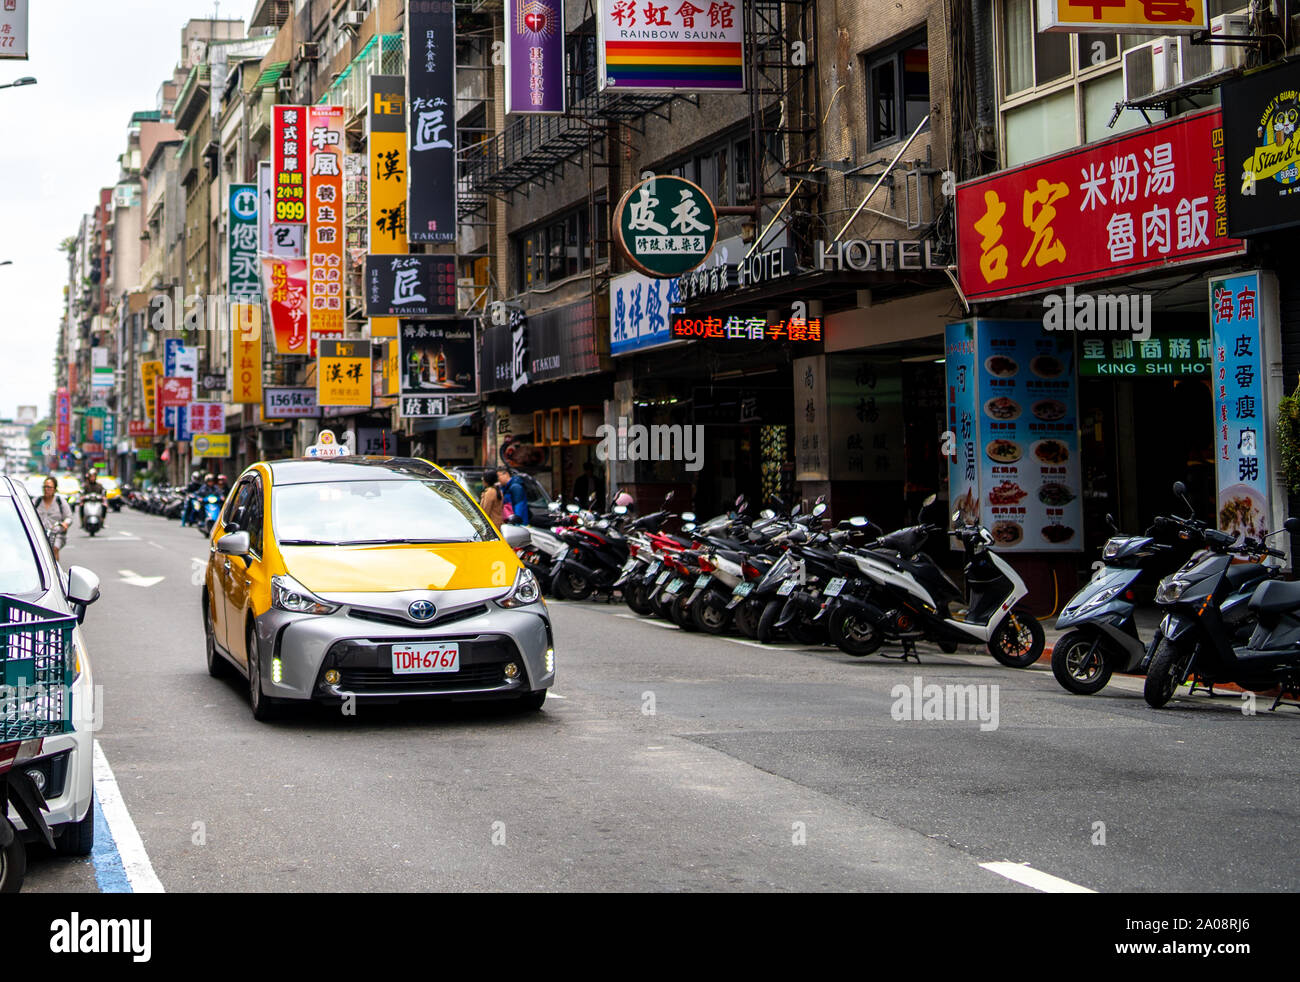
[[532, 702], [264, 707]]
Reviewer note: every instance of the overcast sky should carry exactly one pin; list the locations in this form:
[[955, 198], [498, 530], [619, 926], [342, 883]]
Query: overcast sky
[[96, 63]]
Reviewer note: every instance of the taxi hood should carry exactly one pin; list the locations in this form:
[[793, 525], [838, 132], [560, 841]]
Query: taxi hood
[[400, 567]]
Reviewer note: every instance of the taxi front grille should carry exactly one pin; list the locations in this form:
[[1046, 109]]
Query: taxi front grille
[[399, 620], [362, 680]]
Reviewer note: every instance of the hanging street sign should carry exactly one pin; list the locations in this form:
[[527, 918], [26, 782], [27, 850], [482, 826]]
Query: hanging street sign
[[666, 226]]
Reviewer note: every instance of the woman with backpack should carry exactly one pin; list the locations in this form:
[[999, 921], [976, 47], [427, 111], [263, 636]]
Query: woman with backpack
[[492, 501], [55, 513]]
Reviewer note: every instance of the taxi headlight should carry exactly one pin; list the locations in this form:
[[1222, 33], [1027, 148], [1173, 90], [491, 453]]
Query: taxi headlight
[[288, 594], [525, 591]]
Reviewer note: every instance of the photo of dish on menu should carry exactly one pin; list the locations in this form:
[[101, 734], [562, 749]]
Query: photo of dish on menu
[[1029, 460]]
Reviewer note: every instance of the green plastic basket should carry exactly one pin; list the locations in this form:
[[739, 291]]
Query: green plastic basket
[[36, 668]]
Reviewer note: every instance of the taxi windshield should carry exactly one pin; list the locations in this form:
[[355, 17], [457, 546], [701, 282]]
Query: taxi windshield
[[342, 513]]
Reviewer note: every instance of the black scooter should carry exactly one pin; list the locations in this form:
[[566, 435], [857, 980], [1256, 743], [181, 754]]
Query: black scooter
[[1199, 632]]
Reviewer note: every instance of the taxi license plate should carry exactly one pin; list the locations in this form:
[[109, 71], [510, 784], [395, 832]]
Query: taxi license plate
[[742, 589], [425, 659], [702, 580], [834, 587], [786, 588], [675, 585]]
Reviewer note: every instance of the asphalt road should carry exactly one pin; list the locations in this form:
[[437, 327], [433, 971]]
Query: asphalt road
[[665, 761]]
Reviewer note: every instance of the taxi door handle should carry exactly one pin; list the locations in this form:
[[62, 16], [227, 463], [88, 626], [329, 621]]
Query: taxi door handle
[[227, 565]]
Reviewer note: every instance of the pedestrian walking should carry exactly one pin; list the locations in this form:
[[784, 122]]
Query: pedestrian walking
[[492, 501], [55, 513]]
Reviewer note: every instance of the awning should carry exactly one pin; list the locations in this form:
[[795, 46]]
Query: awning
[[271, 75]]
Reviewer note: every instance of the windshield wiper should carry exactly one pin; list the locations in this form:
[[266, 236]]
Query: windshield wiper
[[306, 542]]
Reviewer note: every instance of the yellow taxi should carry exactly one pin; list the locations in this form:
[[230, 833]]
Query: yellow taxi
[[343, 578]]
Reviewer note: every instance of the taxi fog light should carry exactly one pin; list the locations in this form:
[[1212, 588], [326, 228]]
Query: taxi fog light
[[550, 659], [512, 671], [332, 677], [37, 777]]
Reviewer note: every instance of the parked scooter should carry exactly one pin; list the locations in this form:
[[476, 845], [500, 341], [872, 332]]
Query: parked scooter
[[1102, 636], [908, 598], [1201, 630]]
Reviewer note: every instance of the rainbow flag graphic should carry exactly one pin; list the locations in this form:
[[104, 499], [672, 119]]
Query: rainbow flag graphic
[[654, 64]]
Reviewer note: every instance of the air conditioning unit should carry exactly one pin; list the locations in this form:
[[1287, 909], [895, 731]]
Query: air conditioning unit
[[308, 51], [284, 84], [1150, 69], [1226, 57], [355, 18], [1195, 61]]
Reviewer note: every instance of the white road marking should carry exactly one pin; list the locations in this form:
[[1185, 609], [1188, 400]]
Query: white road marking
[[135, 861], [552, 695], [135, 579], [1026, 875], [157, 546]]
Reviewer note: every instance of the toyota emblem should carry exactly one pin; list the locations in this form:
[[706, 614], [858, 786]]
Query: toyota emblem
[[421, 610]]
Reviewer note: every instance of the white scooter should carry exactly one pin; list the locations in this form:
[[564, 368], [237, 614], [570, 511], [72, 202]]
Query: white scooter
[[902, 595], [92, 513]]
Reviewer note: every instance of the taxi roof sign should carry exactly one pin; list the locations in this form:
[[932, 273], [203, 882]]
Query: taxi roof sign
[[327, 446]]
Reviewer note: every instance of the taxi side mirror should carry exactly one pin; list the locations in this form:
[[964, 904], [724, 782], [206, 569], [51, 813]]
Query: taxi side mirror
[[83, 590], [233, 544]]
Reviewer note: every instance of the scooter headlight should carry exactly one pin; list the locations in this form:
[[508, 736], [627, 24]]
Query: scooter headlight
[[525, 591], [1170, 590], [1105, 596], [1112, 549]]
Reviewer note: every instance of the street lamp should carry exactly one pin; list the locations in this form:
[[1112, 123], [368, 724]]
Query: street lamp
[[25, 80]]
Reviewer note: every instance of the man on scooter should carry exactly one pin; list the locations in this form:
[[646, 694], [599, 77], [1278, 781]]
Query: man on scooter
[[191, 489], [516, 498]]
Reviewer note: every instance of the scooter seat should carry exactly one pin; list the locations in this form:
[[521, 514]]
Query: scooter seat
[[1275, 597], [1240, 574], [908, 541]]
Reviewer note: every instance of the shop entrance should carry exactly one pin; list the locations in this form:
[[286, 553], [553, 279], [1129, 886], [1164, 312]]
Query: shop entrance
[[1138, 437]]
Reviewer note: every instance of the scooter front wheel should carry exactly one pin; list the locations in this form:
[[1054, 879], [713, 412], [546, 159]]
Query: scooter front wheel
[[1079, 663], [1018, 641], [853, 634], [1168, 668]]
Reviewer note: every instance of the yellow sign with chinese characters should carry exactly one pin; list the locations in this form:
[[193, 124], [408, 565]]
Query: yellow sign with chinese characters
[[1129, 16], [150, 372], [387, 120], [210, 445], [343, 373], [246, 354]]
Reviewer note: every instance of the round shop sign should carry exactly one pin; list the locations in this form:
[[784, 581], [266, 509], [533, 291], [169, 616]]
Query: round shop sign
[[666, 226]]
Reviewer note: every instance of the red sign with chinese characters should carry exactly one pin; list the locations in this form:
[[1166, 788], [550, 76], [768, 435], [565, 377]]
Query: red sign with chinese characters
[[173, 390], [289, 165], [325, 219], [207, 417], [139, 427], [285, 282], [1139, 201], [736, 328]]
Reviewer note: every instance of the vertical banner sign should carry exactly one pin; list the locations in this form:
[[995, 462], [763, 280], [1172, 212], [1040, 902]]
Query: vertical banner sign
[[431, 120], [289, 153], [674, 47], [273, 240], [325, 211], [246, 354], [343, 373], [1012, 409], [286, 299], [243, 271], [534, 56], [1241, 409], [150, 371], [13, 30], [387, 200], [63, 419]]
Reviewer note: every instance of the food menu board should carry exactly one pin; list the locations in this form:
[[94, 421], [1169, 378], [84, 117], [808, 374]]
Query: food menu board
[[1240, 407], [1025, 412]]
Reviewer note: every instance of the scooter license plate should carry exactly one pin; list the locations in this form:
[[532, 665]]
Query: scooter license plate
[[628, 565], [834, 587], [675, 585], [702, 580], [425, 659], [786, 588], [652, 568], [742, 589], [663, 578]]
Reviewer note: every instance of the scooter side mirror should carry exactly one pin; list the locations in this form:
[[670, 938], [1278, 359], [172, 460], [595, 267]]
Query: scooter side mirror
[[1180, 488], [1292, 525], [1110, 521]]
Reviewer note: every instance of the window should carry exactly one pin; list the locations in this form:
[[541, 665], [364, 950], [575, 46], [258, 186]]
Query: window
[[898, 89], [559, 248], [721, 169]]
